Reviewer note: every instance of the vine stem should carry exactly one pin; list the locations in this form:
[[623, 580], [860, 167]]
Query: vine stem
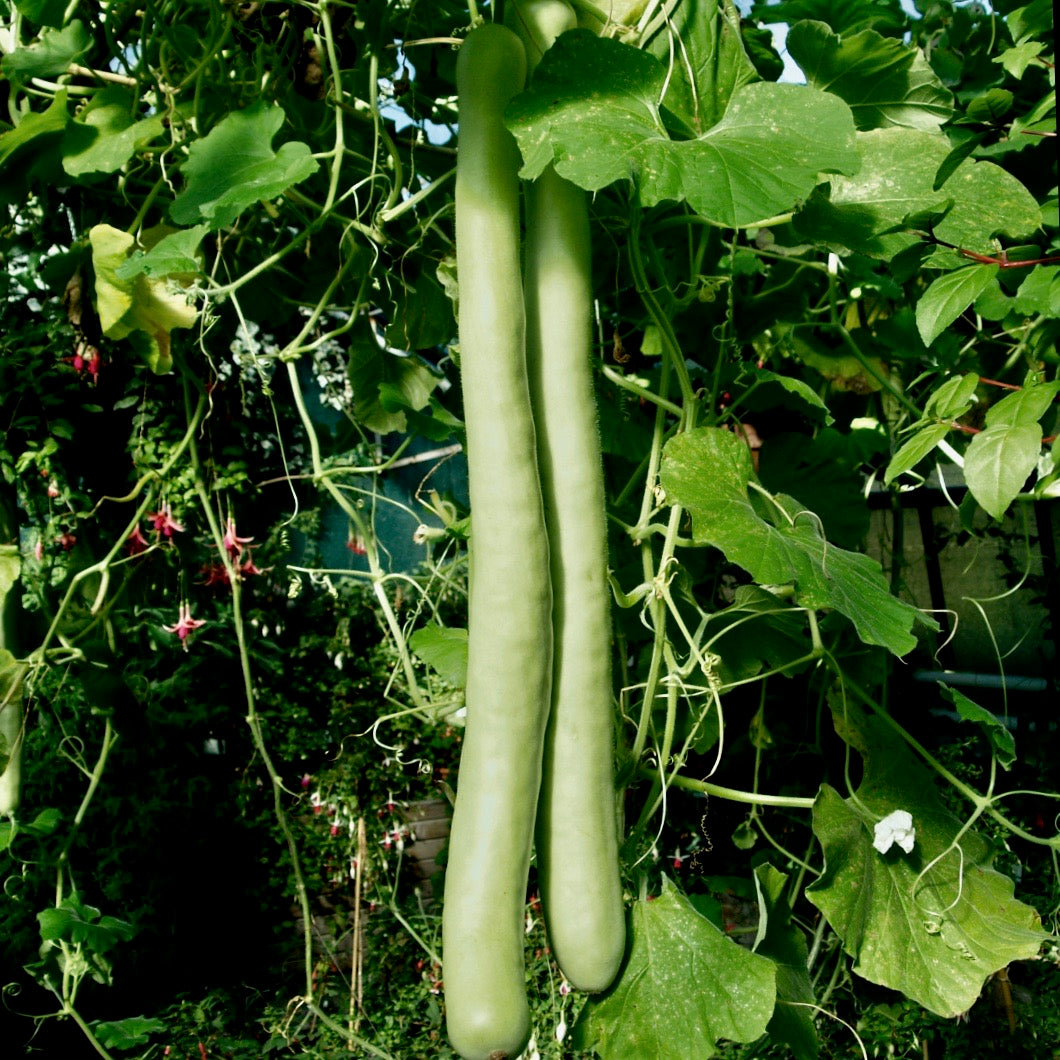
[[96, 1044], [982, 803], [253, 720], [377, 574], [110, 738], [324, 11], [659, 318], [751, 798]]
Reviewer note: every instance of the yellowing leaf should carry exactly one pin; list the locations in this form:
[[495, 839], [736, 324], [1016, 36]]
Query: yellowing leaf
[[153, 305]]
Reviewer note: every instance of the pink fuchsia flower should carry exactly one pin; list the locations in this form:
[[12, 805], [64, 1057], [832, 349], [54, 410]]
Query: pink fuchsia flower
[[163, 521], [185, 624], [233, 543], [136, 543], [86, 359], [247, 567], [216, 574]]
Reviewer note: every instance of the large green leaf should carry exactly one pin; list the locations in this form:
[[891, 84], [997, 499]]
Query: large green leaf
[[782, 942], [756, 631], [1040, 292], [172, 253], [777, 540], [896, 179], [43, 12], [842, 16], [592, 111], [127, 1033], [884, 81], [1023, 407], [711, 66], [821, 471], [948, 296], [234, 166], [52, 54], [684, 987], [150, 305], [36, 125], [105, 135], [933, 929], [387, 387], [74, 921]]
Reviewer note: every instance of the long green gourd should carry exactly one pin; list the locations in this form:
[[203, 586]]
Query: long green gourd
[[510, 601], [577, 842]]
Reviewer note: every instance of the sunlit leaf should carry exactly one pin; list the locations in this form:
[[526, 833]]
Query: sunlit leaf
[[1040, 292], [1016, 60], [10, 568], [52, 54], [36, 125], [1023, 407], [710, 64], [592, 110], [777, 541], [954, 398], [896, 178], [170, 253], [105, 135], [234, 166], [684, 987], [883, 80]]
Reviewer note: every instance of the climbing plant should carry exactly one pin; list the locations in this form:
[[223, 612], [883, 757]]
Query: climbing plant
[[234, 517]]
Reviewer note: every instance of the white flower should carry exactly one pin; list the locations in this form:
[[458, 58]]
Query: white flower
[[896, 827]]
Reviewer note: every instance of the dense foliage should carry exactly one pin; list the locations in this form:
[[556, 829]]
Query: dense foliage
[[234, 521]]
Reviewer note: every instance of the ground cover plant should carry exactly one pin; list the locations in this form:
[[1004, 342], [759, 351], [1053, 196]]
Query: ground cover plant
[[631, 438]]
